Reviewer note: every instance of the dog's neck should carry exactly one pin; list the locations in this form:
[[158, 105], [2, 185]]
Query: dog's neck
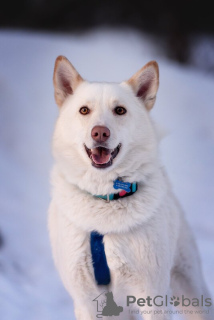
[[101, 183], [103, 220]]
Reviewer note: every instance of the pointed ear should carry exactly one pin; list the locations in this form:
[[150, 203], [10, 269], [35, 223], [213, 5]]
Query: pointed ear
[[145, 83], [65, 79]]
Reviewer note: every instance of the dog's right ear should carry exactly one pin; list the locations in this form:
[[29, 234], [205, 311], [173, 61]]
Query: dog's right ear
[[65, 79]]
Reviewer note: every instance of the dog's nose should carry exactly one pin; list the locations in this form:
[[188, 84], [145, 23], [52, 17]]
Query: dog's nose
[[100, 133]]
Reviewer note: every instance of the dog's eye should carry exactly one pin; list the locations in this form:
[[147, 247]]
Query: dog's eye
[[84, 110], [120, 110]]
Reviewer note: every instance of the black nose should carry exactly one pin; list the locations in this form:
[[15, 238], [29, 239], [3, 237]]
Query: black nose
[[100, 133]]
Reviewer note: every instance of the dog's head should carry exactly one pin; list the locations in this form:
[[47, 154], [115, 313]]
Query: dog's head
[[103, 130]]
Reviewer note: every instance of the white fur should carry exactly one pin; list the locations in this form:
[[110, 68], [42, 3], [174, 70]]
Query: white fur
[[148, 244]]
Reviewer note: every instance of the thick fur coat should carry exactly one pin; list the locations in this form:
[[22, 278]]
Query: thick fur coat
[[148, 244]]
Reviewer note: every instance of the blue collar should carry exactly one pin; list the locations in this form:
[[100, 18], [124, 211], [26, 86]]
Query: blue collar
[[122, 194]]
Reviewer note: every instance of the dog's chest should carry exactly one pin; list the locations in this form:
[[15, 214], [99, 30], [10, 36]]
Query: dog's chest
[[111, 257], [121, 257], [122, 251]]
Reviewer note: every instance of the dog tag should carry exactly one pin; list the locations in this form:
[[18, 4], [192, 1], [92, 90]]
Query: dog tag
[[122, 185]]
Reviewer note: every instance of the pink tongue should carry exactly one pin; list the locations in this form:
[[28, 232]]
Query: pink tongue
[[100, 155]]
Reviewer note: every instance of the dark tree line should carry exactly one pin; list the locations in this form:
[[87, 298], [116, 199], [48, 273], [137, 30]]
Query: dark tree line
[[175, 21]]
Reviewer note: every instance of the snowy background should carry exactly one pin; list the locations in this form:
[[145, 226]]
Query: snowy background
[[30, 287]]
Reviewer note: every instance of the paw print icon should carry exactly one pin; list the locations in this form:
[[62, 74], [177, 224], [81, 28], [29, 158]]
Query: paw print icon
[[175, 301]]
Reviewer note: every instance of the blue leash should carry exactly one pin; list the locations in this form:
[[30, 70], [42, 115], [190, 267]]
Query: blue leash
[[101, 269]]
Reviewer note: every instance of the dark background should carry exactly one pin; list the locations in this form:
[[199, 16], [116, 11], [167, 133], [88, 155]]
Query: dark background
[[176, 23]]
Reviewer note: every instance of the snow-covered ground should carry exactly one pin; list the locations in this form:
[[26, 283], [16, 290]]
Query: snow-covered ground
[[30, 287]]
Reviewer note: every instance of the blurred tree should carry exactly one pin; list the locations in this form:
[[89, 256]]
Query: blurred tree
[[175, 21]]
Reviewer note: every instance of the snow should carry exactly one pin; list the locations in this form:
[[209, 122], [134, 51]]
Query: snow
[[30, 287]]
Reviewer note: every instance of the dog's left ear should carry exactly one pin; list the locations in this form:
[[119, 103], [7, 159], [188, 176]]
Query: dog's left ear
[[145, 83], [66, 79]]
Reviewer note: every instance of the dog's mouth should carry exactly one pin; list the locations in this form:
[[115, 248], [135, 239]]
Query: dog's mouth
[[102, 157]]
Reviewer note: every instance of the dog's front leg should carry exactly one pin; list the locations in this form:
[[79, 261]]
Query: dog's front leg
[[86, 302], [84, 299], [153, 296], [153, 307], [83, 310], [85, 294]]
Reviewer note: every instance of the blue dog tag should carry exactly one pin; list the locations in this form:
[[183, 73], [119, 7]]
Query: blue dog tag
[[122, 185]]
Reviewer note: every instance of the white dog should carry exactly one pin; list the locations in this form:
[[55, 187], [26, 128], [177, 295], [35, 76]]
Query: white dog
[[115, 225]]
